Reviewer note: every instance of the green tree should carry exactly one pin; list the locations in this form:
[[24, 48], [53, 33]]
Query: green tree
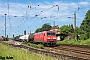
[[85, 25], [17, 37], [65, 29], [38, 30], [72, 29], [45, 27]]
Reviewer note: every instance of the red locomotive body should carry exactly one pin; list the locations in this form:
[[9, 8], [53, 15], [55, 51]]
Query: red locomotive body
[[46, 37]]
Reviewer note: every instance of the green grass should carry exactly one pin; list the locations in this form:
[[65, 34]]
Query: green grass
[[74, 42], [21, 54], [24, 42], [40, 46]]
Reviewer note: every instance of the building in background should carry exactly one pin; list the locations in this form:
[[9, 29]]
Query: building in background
[[56, 29]]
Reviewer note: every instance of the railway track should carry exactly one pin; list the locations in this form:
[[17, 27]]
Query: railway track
[[53, 54], [61, 53], [77, 51], [72, 51]]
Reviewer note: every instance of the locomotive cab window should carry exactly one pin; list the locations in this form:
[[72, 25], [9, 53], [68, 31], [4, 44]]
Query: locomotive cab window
[[50, 34]]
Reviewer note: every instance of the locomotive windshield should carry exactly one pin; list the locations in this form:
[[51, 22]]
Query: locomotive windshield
[[50, 34]]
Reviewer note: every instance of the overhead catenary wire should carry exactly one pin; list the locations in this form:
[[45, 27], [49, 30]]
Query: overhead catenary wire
[[45, 10]]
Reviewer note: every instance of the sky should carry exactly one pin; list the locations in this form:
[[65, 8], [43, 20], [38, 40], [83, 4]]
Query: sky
[[32, 14]]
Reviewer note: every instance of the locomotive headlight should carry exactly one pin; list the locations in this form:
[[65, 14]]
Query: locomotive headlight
[[48, 38], [54, 38]]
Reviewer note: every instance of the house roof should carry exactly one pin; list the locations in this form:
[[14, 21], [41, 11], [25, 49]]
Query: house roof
[[55, 27]]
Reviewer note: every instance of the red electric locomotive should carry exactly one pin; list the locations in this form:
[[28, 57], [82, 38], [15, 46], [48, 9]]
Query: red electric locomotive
[[47, 38]]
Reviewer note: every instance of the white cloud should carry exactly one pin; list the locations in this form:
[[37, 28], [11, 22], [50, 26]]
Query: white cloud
[[20, 9], [84, 3], [12, 9]]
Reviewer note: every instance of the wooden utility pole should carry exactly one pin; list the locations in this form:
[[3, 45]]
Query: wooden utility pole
[[75, 26]]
